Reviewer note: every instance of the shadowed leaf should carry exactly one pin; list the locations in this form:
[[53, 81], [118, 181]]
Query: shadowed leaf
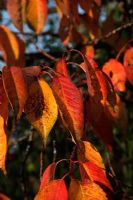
[[15, 87], [128, 64]]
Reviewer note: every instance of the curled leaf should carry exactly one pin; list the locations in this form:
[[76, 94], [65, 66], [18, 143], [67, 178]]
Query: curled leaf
[[41, 108], [15, 87]]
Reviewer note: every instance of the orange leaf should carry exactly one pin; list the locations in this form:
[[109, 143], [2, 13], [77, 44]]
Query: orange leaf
[[12, 47], [88, 152], [3, 129], [15, 87], [70, 103], [86, 191], [116, 73], [41, 108], [128, 64], [96, 174], [53, 190], [36, 11], [3, 197], [16, 10]]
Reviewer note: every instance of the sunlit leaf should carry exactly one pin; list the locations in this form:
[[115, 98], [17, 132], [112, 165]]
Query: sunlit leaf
[[41, 108], [86, 191], [70, 103], [87, 152], [3, 128], [128, 64], [96, 174], [36, 11], [116, 73], [16, 10], [53, 190], [12, 47], [15, 87]]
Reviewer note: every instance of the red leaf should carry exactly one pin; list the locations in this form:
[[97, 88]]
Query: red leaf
[[15, 87], [61, 67], [116, 73], [97, 174], [16, 9], [48, 175], [54, 190], [70, 103], [128, 64]]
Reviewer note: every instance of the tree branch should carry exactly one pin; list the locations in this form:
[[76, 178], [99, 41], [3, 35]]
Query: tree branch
[[111, 33]]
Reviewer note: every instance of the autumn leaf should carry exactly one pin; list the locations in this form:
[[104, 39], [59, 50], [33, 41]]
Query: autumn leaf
[[101, 95], [3, 128], [41, 108], [12, 47], [70, 103], [96, 174], [36, 14], [48, 175], [53, 190], [88, 152], [15, 87], [16, 10], [116, 73], [128, 64], [61, 67], [3, 197], [86, 191]]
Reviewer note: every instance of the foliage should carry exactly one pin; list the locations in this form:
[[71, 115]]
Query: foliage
[[75, 90]]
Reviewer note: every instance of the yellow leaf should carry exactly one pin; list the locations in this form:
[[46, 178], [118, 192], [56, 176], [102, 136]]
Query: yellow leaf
[[87, 152], [41, 108], [3, 145], [12, 47], [85, 191], [36, 14]]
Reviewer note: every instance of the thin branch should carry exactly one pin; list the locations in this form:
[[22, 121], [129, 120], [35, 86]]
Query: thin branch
[[45, 54], [111, 33]]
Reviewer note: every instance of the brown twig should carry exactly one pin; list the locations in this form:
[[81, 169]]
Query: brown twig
[[111, 33]]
